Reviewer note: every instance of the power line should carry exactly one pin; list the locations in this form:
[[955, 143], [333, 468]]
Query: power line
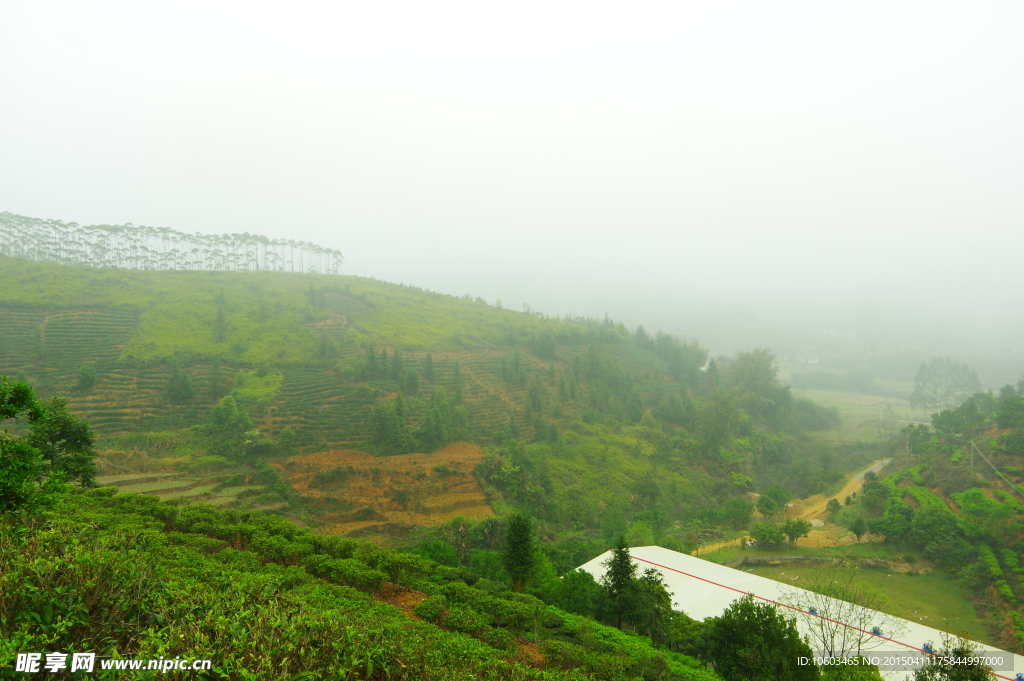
[[994, 469]]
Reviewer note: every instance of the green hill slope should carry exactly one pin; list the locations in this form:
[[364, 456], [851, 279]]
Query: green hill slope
[[124, 578], [592, 427]]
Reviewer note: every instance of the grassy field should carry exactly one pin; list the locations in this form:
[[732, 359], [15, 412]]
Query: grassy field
[[864, 417], [933, 598]]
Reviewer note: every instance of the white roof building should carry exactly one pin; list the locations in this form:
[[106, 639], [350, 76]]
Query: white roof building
[[703, 589]]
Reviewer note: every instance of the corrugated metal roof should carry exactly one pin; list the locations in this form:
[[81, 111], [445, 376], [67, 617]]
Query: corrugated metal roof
[[703, 589]]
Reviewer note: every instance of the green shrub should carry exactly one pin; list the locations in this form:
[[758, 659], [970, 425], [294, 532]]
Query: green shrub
[[465, 619], [988, 561], [432, 608], [767, 534], [1005, 591], [102, 492], [331, 477], [563, 654], [497, 638], [345, 571], [205, 464], [87, 377]]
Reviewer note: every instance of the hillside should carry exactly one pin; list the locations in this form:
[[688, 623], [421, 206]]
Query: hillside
[[949, 510], [130, 324], [260, 425], [582, 421], [125, 577]]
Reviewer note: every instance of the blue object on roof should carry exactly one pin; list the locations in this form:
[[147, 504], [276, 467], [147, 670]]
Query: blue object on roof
[[813, 611], [876, 631]]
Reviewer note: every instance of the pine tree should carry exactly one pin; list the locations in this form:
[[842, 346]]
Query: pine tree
[[619, 580], [220, 332], [520, 550], [435, 430], [397, 367], [412, 382], [457, 377], [384, 362], [388, 426], [428, 368], [371, 361]]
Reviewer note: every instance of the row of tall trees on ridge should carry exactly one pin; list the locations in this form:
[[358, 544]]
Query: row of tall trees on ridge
[[943, 383], [158, 248]]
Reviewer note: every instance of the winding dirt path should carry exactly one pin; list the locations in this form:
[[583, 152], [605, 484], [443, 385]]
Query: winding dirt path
[[813, 508]]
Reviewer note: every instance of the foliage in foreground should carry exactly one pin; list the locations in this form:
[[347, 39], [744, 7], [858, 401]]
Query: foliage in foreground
[[124, 575]]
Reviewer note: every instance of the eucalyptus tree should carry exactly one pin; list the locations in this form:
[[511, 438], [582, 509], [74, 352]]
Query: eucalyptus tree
[[158, 248]]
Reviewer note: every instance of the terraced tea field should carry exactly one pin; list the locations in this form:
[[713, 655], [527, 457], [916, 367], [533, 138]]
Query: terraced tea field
[[221, 489]]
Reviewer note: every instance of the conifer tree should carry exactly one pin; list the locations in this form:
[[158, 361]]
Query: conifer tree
[[619, 580], [428, 368], [520, 553], [435, 430], [535, 397], [371, 361], [412, 382], [383, 362], [389, 427], [397, 367], [457, 377]]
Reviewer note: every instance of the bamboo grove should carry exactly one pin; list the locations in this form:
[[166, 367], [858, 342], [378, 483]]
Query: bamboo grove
[[158, 248]]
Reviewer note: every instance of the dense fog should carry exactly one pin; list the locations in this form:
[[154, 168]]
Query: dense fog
[[829, 181]]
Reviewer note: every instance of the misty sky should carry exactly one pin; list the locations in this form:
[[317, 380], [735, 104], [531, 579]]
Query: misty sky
[[658, 161]]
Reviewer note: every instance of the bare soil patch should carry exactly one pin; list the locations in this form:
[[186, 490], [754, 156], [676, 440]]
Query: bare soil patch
[[363, 494]]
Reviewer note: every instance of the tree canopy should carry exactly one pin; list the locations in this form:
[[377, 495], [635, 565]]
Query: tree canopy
[[158, 248], [753, 641], [56, 451], [520, 550]]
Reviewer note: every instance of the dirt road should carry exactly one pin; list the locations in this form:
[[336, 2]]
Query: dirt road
[[813, 507]]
